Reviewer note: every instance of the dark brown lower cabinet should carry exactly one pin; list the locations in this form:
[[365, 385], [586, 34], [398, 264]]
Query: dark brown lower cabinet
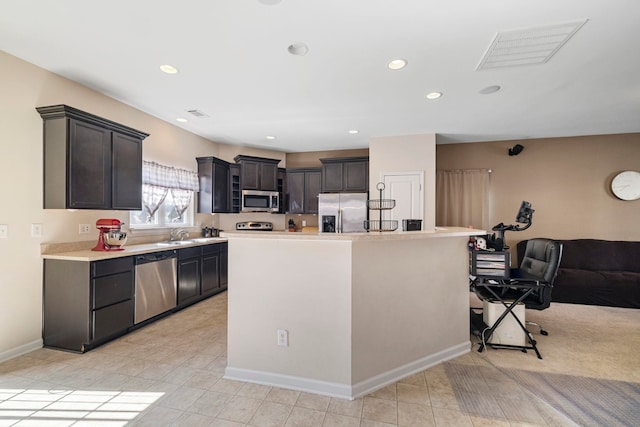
[[86, 303], [210, 268], [202, 272], [189, 275]]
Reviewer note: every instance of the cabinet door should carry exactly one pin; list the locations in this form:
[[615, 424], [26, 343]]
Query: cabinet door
[[295, 189], [250, 172], [268, 178], [332, 177], [188, 280], [221, 188], [126, 193], [313, 187], [224, 265], [215, 188], [210, 268], [89, 174], [356, 176]]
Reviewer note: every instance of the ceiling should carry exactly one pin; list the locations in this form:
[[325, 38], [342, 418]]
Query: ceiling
[[234, 66]]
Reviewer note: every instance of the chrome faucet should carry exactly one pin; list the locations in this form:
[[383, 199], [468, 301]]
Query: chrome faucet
[[179, 234]]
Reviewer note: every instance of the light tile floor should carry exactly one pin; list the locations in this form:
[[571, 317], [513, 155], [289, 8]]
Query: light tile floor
[[169, 373]]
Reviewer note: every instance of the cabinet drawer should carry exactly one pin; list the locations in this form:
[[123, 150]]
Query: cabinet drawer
[[111, 289], [190, 252], [112, 320], [110, 266], [211, 249]]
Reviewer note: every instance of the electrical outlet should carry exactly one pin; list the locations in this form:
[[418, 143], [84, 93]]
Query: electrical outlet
[[304, 223], [84, 228], [283, 338], [4, 231], [36, 230]]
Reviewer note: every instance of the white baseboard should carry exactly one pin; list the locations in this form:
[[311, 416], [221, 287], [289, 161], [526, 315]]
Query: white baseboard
[[309, 385], [346, 391], [20, 350], [394, 375]]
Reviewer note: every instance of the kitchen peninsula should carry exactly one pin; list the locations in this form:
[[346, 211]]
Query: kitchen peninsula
[[345, 314]]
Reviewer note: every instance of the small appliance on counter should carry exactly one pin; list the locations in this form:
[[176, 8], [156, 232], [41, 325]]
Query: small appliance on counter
[[210, 232], [111, 237], [254, 225], [411, 224]]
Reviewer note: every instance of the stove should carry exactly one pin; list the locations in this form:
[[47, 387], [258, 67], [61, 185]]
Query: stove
[[254, 226]]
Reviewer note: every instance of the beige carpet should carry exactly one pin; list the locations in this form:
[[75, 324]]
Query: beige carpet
[[583, 340], [590, 370]]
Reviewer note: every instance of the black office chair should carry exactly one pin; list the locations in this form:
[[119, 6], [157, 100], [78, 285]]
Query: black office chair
[[531, 284]]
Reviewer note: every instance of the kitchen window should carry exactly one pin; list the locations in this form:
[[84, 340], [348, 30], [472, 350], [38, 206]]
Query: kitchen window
[[167, 197]]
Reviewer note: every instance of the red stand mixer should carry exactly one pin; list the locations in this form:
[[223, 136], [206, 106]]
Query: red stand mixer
[[111, 237]]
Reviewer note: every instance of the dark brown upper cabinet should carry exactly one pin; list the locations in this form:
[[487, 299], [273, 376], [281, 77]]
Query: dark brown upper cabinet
[[303, 187], [258, 173], [90, 162], [215, 185], [345, 175]]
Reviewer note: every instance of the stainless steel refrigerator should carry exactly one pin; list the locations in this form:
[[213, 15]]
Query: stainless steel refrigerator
[[342, 212]]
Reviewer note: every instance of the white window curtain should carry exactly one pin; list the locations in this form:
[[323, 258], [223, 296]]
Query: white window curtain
[[158, 179], [462, 198], [181, 200], [152, 198]]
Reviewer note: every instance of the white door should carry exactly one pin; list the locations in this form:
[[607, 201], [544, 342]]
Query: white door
[[407, 190]]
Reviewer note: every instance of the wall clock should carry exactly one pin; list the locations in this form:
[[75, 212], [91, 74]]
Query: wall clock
[[626, 185]]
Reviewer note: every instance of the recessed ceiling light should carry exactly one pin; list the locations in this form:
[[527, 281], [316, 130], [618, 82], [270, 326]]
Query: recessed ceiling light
[[397, 64], [489, 89], [270, 137], [434, 95], [299, 49], [169, 69], [181, 120], [353, 131]]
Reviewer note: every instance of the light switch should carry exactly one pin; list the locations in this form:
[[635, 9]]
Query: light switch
[[4, 231], [36, 230]]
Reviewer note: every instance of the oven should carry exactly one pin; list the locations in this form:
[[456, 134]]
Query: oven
[[254, 226]]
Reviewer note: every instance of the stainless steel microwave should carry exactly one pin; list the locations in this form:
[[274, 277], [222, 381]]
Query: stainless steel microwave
[[260, 201]]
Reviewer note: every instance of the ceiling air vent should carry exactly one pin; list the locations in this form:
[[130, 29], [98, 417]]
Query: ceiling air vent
[[197, 113], [527, 46]]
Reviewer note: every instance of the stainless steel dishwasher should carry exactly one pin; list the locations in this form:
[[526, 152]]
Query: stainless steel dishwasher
[[156, 283]]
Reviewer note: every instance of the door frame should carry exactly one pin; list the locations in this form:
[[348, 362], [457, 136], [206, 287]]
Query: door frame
[[420, 175]]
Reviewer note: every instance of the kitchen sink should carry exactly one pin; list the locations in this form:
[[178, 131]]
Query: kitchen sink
[[174, 242]]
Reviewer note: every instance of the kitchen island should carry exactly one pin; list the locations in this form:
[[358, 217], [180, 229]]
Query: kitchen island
[[345, 314]]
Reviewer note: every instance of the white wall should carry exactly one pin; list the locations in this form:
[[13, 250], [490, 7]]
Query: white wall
[[303, 286], [409, 153], [24, 87], [410, 303]]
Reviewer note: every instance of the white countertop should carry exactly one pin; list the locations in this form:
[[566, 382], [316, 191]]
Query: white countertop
[[439, 232], [89, 255]]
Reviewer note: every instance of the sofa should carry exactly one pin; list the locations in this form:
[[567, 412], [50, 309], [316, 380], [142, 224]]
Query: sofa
[[597, 272]]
